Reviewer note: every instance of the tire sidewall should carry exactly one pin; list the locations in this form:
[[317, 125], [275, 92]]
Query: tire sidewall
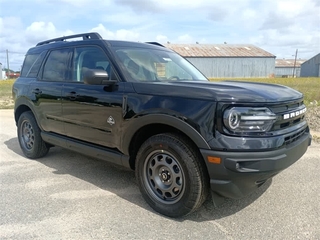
[[34, 151], [186, 203]]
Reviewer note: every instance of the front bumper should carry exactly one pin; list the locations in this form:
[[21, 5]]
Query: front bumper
[[240, 173]]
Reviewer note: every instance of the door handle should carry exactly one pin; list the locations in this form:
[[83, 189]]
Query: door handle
[[36, 91], [72, 96]]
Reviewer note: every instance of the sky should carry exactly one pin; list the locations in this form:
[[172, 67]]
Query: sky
[[277, 26]]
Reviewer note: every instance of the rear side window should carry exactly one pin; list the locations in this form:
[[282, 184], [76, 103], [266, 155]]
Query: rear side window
[[32, 64], [56, 66], [28, 62], [36, 66]]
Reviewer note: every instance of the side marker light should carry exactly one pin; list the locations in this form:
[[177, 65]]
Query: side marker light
[[215, 160]]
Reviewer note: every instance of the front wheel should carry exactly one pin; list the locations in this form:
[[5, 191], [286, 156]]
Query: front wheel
[[171, 176], [29, 135]]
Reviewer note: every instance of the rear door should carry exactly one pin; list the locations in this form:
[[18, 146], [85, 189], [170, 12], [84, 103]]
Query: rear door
[[92, 113], [47, 90]]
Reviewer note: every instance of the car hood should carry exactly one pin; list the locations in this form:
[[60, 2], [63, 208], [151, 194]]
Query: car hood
[[226, 91]]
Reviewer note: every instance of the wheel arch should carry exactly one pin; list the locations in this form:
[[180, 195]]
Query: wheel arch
[[146, 126], [19, 110], [21, 106]]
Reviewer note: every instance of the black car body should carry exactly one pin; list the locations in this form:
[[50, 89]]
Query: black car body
[[115, 100]]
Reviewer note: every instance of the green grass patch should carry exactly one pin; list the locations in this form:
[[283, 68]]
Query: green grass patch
[[310, 87], [6, 101]]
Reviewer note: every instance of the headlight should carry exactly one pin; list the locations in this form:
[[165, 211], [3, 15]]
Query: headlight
[[248, 120]]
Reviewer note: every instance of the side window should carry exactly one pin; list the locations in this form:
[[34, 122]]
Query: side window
[[28, 62], [90, 58], [56, 66], [36, 66]]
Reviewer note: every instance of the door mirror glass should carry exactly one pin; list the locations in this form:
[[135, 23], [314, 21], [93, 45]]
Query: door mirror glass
[[97, 77]]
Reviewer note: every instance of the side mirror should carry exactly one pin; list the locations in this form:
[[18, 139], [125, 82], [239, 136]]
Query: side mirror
[[97, 77]]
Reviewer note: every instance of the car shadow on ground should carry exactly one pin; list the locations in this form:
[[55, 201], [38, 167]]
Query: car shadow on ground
[[121, 181]]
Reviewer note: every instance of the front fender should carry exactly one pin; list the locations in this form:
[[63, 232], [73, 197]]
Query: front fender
[[141, 121]]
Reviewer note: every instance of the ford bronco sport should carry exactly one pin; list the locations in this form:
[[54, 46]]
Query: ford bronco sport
[[144, 107]]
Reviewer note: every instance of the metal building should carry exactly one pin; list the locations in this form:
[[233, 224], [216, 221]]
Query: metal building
[[288, 67], [311, 68], [2, 73], [228, 60]]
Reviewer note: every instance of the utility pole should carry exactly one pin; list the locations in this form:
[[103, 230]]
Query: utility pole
[[295, 61], [8, 63]]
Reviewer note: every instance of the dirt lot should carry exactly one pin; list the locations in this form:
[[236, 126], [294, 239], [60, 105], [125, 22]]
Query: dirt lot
[[313, 117]]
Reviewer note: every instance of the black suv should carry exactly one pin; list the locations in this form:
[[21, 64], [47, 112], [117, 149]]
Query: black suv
[[144, 107]]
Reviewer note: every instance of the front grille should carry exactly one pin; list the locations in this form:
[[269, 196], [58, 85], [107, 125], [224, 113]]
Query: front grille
[[288, 115], [294, 137]]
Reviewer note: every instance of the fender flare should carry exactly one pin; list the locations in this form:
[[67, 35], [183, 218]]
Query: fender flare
[[25, 102], [139, 122]]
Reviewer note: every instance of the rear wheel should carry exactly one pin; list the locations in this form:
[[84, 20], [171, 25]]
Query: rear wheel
[[29, 135], [171, 176]]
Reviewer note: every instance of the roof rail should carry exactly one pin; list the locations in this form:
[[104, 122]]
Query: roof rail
[[155, 43], [85, 36]]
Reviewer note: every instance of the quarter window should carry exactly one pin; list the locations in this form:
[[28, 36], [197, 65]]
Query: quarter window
[[36, 66], [28, 62]]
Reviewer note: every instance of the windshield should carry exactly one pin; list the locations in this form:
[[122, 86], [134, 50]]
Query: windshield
[[144, 64]]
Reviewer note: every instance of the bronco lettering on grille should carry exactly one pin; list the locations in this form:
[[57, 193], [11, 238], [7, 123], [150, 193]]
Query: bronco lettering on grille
[[294, 114]]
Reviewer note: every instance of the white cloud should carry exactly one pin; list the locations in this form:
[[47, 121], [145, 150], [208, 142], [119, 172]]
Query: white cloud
[[38, 31], [186, 38], [41, 31], [121, 34], [161, 38]]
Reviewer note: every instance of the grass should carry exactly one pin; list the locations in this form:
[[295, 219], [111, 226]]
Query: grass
[[310, 87], [6, 101]]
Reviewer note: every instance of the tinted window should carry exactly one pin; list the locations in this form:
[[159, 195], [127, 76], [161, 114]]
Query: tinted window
[[86, 58], [36, 66], [56, 66], [28, 62]]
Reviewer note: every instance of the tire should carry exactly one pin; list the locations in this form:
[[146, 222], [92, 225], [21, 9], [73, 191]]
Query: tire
[[29, 136], [171, 176]]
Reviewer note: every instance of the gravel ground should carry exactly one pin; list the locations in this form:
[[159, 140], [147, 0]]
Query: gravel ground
[[313, 118]]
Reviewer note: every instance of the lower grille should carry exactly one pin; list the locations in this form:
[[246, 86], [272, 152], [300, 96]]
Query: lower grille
[[294, 137]]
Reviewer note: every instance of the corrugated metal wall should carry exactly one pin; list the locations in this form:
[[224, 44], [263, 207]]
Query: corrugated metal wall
[[235, 67], [286, 71], [311, 68]]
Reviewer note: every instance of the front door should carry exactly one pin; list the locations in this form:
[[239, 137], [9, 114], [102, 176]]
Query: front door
[[92, 113]]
